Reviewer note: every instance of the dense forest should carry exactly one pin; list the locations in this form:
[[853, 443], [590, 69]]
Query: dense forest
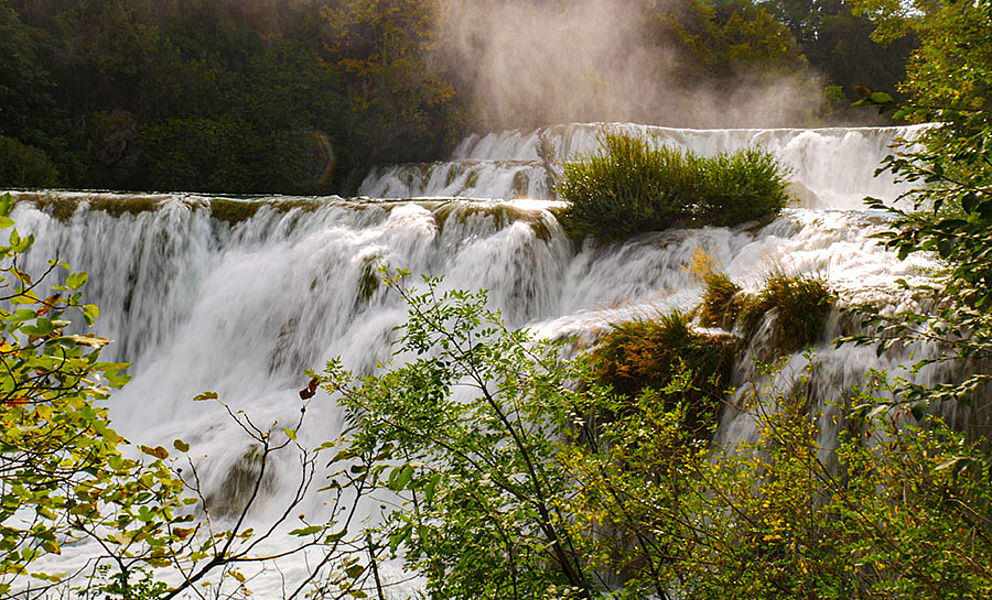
[[302, 96]]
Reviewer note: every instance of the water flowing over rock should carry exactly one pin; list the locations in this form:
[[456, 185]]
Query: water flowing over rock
[[835, 165], [239, 297]]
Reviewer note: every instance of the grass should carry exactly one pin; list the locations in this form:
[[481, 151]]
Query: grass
[[801, 303], [722, 301], [629, 187], [668, 356]]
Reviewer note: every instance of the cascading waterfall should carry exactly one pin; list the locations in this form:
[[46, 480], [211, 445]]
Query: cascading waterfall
[[831, 167], [200, 299]]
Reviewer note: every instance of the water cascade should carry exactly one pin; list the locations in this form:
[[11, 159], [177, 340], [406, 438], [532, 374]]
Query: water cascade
[[240, 296]]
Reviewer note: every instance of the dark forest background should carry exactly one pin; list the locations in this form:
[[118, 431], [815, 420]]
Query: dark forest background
[[302, 96]]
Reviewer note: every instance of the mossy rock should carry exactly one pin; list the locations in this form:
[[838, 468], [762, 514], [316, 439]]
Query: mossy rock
[[233, 212], [368, 279], [62, 208], [236, 489]]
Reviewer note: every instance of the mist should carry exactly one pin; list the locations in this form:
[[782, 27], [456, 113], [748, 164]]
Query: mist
[[530, 63]]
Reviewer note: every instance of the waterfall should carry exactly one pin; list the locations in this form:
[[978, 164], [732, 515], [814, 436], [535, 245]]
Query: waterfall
[[240, 296], [831, 167]]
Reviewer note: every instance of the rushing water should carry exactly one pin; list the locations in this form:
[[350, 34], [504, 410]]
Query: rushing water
[[242, 306]]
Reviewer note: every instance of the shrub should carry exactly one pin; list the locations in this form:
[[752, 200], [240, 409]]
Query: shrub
[[630, 187], [802, 303], [722, 301], [668, 356], [25, 166], [743, 186]]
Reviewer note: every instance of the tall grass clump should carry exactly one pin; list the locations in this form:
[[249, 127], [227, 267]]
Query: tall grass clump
[[722, 301], [630, 187], [801, 304], [666, 355]]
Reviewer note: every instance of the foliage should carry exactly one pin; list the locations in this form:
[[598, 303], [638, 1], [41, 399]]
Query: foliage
[[503, 461], [838, 44], [739, 187], [801, 304], [630, 187], [25, 166], [948, 83], [722, 301], [636, 356], [52, 475], [70, 484], [464, 435], [729, 41]]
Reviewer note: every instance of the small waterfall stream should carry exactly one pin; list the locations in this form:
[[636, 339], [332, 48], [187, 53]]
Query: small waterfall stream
[[242, 305]]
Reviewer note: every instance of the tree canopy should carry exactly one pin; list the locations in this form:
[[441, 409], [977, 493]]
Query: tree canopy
[[302, 96]]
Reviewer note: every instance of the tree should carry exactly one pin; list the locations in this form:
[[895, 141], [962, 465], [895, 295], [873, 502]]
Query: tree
[[400, 98], [727, 41], [948, 85], [465, 435], [838, 43]]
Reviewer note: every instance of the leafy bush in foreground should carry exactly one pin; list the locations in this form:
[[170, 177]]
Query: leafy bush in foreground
[[630, 187]]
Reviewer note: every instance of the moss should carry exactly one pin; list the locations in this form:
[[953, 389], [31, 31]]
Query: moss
[[62, 208], [453, 172], [801, 304], [668, 356], [472, 180], [233, 212], [722, 301], [368, 279], [541, 230]]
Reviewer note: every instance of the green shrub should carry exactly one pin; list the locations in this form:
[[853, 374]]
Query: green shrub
[[802, 303], [722, 301], [630, 187], [25, 166], [743, 186], [667, 355]]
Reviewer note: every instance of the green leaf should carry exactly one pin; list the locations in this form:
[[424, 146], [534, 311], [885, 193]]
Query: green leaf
[[77, 280], [205, 396], [158, 452], [290, 433], [312, 529], [180, 445], [880, 98], [354, 572]]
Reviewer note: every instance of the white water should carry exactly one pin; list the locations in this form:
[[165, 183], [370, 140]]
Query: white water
[[197, 304], [834, 167]]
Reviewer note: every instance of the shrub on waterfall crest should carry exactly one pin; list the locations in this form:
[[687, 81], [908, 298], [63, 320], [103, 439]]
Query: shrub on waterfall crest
[[665, 354], [629, 187]]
